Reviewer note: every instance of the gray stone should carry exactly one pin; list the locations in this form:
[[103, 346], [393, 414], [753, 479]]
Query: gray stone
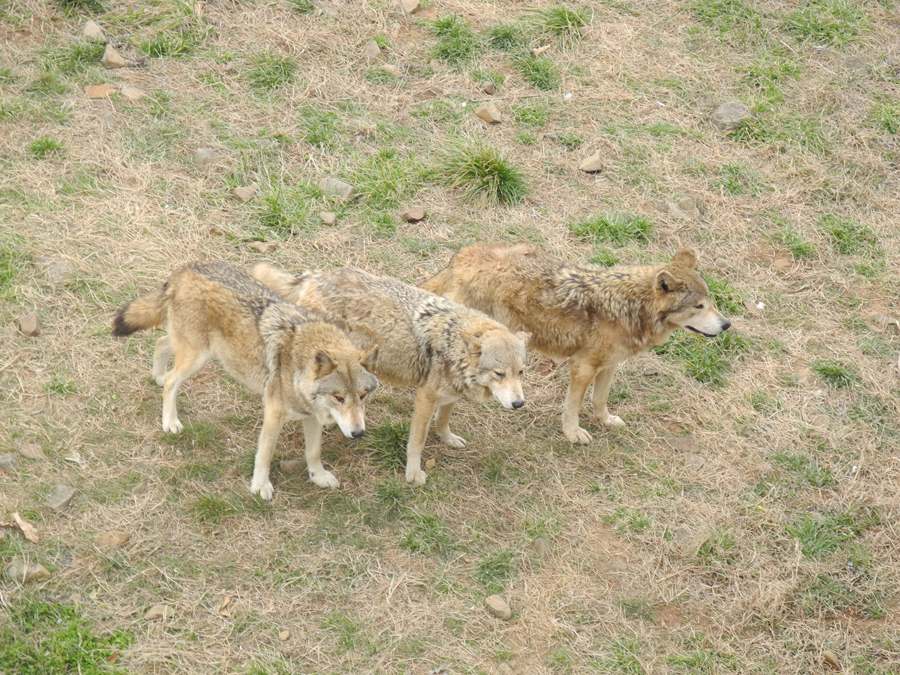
[[293, 467], [112, 58], [25, 572], [60, 497], [371, 50], [683, 208], [729, 116], [112, 540], [30, 325], [430, 92], [204, 157], [92, 32], [158, 612], [543, 547], [336, 187], [856, 63], [57, 271], [140, 489], [489, 113], [410, 6], [244, 194], [130, 93], [592, 164], [683, 444], [820, 421], [694, 461], [488, 88], [497, 606], [32, 451], [328, 218], [8, 462], [413, 215], [831, 659]]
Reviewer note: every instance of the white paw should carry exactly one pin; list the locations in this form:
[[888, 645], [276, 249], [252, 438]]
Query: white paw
[[263, 489], [160, 379], [613, 421], [416, 476], [173, 427], [577, 435], [325, 479], [453, 441]]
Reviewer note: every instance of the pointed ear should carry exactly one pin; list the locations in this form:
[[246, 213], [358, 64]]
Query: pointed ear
[[368, 357], [325, 365], [524, 337], [665, 282], [473, 344], [686, 257]]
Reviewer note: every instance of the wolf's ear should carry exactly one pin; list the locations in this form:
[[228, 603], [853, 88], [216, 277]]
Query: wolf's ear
[[367, 358], [686, 257], [325, 365], [524, 337], [473, 344], [665, 282]]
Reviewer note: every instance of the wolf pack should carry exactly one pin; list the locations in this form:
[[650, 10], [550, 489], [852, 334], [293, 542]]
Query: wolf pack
[[316, 344]]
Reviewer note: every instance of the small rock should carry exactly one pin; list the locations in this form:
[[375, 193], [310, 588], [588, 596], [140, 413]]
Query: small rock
[[489, 113], [543, 547], [112, 540], [204, 157], [413, 215], [695, 462], [214, 231], [430, 463], [99, 91], [820, 421], [8, 462], [682, 537], [24, 572], [497, 606], [148, 450], [683, 444], [59, 272], [592, 164], [488, 88], [293, 467], [505, 669], [244, 194], [857, 63], [112, 58], [336, 187], [30, 325], [410, 6], [783, 264], [93, 32], [284, 635], [158, 612], [371, 50], [140, 489], [133, 94], [831, 659], [683, 208], [430, 92], [729, 116], [60, 497], [32, 451], [391, 69], [263, 247], [328, 218], [804, 376]]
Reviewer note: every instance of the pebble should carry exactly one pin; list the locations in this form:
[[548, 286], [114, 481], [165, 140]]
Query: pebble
[[99, 91], [592, 164], [488, 88], [729, 116], [140, 489], [543, 547], [830, 658], [133, 94], [430, 92], [30, 325], [8, 462], [284, 635], [158, 612], [328, 218], [683, 208], [505, 669], [112, 540], [497, 606], [683, 443], [413, 215], [783, 264], [244, 194], [60, 497], [112, 58], [32, 451], [336, 187], [410, 6], [489, 113], [263, 247], [820, 421], [371, 50], [92, 32], [24, 572], [204, 157]]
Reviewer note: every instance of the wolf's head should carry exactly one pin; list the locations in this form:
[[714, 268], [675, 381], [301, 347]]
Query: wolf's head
[[681, 289], [341, 385], [498, 359]]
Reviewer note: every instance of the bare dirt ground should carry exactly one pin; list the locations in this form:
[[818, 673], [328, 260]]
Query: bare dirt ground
[[746, 518]]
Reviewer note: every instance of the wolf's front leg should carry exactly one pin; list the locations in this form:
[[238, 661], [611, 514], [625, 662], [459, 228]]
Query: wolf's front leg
[[312, 432], [274, 417], [426, 402], [442, 424], [602, 383], [580, 377]]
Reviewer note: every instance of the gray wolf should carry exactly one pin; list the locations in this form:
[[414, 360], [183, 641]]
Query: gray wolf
[[595, 317], [444, 350], [304, 368]]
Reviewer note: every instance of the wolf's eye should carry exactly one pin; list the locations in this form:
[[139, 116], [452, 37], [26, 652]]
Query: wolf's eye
[[698, 306], [499, 375], [339, 399], [363, 395], [521, 373]]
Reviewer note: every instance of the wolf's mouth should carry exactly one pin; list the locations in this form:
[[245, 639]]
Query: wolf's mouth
[[700, 332]]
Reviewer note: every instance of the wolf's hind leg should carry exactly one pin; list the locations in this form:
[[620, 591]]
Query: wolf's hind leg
[[442, 424], [161, 359], [602, 383], [188, 360]]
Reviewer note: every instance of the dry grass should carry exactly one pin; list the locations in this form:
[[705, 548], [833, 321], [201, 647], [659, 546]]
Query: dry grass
[[667, 556]]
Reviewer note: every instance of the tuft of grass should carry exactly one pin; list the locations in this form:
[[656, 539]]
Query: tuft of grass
[[564, 22], [849, 237], [794, 242], [389, 445], [213, 508], [429, 535], [507, 37], [85, 6], [826, 532], [827, 22], [808, 471], [47, 84], [639, 608], [302, 6], [719, 551], [886, 117], [319, 126], [603, 257], [456, 40], [707, 360], [172, 43], [483, 175], [835, 373], [534, 115], [45, 146], [727, 16], [735, 178], [495, 569], [768, 72], [74, 58], [61, 386], [348, 631], [620, 229], [539, 71], [569, 140], [828, 595], [726, 297], [271, 71], [284, 210], [11, 255]]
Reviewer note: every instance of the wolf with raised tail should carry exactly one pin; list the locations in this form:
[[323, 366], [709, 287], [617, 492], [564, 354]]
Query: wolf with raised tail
[[592, 316], [304, 367], [444, 350]]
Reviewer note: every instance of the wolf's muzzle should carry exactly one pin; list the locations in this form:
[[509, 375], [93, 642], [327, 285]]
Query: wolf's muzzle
[[518, 404], [356, 433]]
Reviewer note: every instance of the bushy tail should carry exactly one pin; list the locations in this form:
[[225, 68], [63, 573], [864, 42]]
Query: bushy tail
[[286, 285], [440, 283], [147, 311]]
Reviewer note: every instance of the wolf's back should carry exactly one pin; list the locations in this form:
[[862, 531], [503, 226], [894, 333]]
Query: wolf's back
[[147, 311]]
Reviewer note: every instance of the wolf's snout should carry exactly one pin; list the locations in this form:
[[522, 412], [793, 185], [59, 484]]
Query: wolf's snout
[[518, 404], [356, 433], [726, 325]]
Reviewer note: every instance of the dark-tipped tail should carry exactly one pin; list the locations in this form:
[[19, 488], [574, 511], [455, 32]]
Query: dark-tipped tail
[[147, 311]]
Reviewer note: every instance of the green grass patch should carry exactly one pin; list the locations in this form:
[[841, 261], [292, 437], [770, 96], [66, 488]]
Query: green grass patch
[[827, 22], [389, 445], [828, 595], [429, 535], [736, 178], [563, 22], [538, 70], [507, 37], [495, 569], [534, 115], [456, 43], [795, 242], [849, 237], [820, 534], [886, 117], [804, 470], [12, 254], [72, 58], [173, 42], [271, 71], [302, 6], [92, 7], [48, 84], [726, 297], [835, 373], [213, 508], [387, 179], [41, 637], [284, 210], [620, 229], [727, 16], [483, 175], [45, 147], [61, 386], [318, 126], [707, 360]]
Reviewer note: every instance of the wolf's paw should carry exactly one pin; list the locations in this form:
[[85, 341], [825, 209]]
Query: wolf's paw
[[416, 476], [577, 435], [263, 489], [173, 427], [453, 441], [159, 379], [325, 479], [613, 421]]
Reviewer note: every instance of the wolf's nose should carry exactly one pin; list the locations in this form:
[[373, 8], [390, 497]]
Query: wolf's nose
[[726, 325], [518, 404], [358, 432]]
